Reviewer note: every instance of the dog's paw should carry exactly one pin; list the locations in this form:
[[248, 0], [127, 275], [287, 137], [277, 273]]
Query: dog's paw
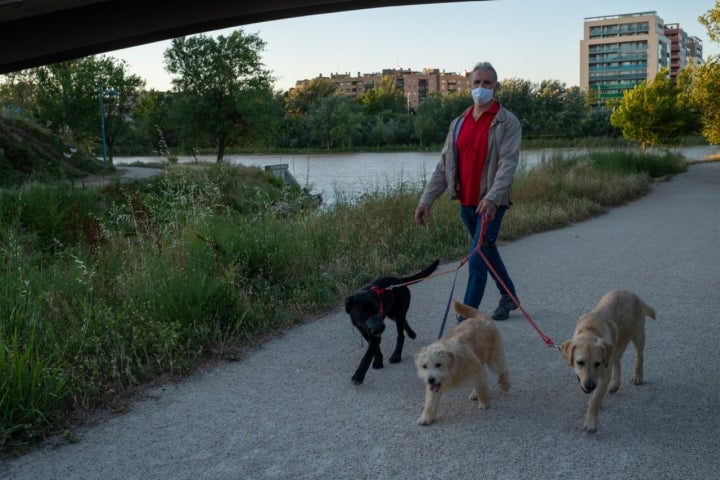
[[483, 403], [504, 382], [590, 426], [377, 362], [358, 379], [410, 333], [424, 421], [395, 359], [636, 379]]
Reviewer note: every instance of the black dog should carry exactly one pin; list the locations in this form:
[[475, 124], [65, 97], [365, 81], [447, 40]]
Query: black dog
[[385, 297]]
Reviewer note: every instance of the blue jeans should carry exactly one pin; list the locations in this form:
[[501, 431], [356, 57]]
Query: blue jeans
[[477, 274]]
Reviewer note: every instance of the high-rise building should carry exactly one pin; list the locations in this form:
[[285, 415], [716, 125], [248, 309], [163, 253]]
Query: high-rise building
[[618, 52], [684, 49]]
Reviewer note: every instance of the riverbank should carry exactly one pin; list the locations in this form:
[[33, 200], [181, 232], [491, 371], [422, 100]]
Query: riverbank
[[352, 175]]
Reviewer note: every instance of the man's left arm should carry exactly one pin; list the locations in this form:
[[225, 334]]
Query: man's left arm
[[509, 157]]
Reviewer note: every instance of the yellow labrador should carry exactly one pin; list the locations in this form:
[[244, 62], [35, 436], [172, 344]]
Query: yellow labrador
[[598, 343], [460, 358]]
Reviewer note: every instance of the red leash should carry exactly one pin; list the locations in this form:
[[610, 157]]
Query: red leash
[[483, 229], [548, 341]]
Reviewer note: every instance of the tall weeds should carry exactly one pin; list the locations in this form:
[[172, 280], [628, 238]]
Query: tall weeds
[[103, 289]]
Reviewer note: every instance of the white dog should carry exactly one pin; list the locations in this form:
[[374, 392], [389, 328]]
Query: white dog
[[460, 358]]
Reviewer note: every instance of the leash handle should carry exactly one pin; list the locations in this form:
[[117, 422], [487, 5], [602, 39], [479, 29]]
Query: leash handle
[[483, 228]]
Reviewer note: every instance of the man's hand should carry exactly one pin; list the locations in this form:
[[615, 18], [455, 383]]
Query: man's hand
[[486, 206], [422, 213]]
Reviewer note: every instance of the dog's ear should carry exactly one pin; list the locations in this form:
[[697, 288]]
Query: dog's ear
[[450, 359], [607, 353], [566, 349]]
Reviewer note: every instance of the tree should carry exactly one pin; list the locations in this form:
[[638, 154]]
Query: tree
[[650, 113], [385, 97], [17, 91], [387, 113], [706, 80], [549, 107], [573, 113], [220, 81], [427, 121], [335, 122], [519, 97], [301, 99], [706, 92], [67, 98], [151, 120], [711, 21], [596, 123], [435, 113], [691, 108]]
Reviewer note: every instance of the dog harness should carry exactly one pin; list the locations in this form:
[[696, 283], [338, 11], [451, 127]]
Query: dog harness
[[378, 291]]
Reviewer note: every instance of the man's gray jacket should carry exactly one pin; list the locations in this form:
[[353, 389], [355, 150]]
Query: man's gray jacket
[[500, 165]]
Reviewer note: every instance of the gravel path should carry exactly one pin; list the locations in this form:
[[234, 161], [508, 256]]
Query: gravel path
[[290, 411]]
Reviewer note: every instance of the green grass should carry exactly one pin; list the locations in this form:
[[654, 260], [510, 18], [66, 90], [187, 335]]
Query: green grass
[[106, 288]]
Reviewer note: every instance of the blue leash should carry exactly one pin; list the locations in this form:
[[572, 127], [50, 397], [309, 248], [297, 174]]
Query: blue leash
[[452, 291]]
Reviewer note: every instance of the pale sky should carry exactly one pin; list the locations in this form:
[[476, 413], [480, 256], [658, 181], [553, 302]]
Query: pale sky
[[527, 39]]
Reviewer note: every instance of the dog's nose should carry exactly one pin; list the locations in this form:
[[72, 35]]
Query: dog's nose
[[589, 386], [431, 380]]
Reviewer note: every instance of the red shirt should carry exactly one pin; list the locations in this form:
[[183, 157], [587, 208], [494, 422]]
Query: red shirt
[[472, 149]]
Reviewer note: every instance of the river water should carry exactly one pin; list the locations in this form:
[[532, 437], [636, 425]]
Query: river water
[[354, 174]]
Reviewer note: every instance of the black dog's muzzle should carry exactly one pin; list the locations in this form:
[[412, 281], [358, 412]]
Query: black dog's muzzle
[[373, 326]]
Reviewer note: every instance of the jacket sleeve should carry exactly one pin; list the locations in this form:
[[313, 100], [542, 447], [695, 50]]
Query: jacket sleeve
[[509, 157], [438, 182]]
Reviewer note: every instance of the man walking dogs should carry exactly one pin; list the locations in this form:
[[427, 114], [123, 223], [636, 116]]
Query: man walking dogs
[[477, 166]]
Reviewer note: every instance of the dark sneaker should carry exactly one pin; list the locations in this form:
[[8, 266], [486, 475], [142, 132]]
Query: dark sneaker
[[502, 312]]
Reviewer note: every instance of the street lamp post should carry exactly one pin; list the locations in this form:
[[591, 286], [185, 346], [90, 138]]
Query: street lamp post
[[101, 96]]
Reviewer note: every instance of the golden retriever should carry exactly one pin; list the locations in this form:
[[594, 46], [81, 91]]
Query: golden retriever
[[598, 343], [460, 358]]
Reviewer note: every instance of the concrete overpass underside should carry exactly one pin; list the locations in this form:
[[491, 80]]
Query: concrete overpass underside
[[41, 32]]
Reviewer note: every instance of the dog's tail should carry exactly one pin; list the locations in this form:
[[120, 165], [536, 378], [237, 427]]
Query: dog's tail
[[467, 311], [422, 274]]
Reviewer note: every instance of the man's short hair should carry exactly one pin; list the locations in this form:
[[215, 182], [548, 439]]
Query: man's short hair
[[486, 66]]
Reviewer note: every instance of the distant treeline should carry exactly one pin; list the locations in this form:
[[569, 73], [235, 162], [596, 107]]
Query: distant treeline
[[224, 98]]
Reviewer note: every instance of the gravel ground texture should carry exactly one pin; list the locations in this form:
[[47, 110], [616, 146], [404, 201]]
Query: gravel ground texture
[[289, 410]]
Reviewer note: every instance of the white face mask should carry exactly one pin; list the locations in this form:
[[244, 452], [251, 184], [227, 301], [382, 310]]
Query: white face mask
[[481, 95]]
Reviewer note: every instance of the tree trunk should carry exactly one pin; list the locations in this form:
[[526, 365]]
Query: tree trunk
[[221, 149]]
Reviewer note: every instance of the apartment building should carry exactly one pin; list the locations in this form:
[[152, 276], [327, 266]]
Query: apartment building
[[415, 85], [618, 52], [684, 49]]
